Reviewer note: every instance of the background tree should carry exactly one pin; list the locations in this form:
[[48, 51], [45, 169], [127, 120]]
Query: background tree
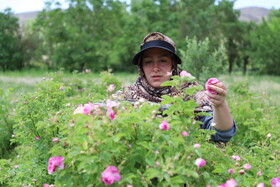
[[245, 48], [266, 45], [81, 36], [10, 52], [199, 59], [229, 29]]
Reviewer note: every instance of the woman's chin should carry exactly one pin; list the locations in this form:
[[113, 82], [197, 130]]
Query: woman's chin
[[156, 85]]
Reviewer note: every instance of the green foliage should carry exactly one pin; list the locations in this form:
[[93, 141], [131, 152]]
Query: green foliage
[[133, 141], [6, 121], [10, 54], [266, 44], [200, 61]]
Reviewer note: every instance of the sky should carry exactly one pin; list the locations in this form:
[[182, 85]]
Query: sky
[[20, 6]]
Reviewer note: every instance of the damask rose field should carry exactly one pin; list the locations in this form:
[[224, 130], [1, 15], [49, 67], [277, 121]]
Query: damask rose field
[[62, 129]]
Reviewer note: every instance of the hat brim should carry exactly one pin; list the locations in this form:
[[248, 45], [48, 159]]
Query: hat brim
[[156, 44]]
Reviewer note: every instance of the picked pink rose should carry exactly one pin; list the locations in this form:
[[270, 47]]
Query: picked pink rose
[[211, 81], [54, 162], [110, 175]]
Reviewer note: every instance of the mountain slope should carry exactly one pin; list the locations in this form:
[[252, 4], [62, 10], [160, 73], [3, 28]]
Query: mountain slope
[[254, 14]]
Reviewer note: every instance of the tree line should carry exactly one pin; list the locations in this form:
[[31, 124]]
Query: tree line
[[104, 34]]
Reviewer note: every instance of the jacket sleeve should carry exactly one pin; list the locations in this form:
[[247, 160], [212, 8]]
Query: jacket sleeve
[[220, 136]]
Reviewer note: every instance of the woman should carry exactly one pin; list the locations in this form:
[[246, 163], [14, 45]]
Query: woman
[[157, 62]]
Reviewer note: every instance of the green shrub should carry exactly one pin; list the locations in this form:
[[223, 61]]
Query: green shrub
[[6, 122], [201, 62], [144, 154]]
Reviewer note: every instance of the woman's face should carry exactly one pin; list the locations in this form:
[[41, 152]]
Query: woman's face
[[156, 64]]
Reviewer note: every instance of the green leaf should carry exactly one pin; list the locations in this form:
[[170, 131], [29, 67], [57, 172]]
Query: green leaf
[[191, 173], [168, 83], [177, 180], [152, 173]]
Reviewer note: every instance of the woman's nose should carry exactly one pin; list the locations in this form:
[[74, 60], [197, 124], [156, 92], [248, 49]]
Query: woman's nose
[[155, 66]]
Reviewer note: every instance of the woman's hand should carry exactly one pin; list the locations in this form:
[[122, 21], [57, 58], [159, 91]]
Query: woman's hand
[[217, 99], [217, 93]]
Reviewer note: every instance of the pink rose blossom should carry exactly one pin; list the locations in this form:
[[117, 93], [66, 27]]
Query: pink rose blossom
[[46, 185], [55, 140], [230, 171], [111, 104], [184, 133], [242, 172], [16, 166], [61, 88], [110, 108], [247, 166], [164, 126], [87, 70], [185, 74], [54, 162], [275, 182], [235, 157], [211, 81], [200, 162], [229, 183], [197, 145], [112, 115], [129, 185], [157, 163], [24, 102], [37, 138], [72, 124], [169, 74], [88, 107], [111, 88], [259, 173], [260, 185], [110, 175]]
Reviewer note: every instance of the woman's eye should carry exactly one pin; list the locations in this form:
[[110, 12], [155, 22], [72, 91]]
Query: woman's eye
[[147, 62]]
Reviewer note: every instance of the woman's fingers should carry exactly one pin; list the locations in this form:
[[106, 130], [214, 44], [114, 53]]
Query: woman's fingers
[[220, 89]]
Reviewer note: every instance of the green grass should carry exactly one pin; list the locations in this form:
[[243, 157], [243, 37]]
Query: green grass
[[268, 86], [22, 82]]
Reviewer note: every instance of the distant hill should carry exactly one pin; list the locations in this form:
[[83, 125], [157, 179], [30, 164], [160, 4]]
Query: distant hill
[[254, 14], [23, 17]]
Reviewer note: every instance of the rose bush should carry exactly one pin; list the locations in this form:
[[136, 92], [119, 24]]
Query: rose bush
[[131, 144]]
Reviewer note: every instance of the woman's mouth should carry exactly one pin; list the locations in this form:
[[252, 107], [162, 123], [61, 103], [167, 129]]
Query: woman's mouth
[[156, 77]]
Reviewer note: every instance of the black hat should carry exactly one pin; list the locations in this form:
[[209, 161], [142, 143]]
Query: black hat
[[158, 44]]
